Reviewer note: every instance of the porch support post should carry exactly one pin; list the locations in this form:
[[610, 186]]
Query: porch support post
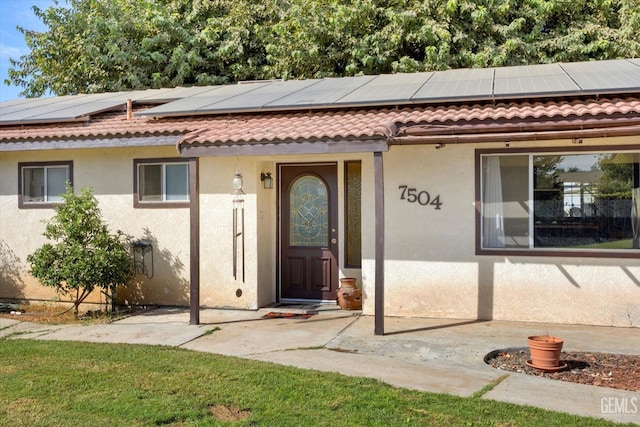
[[379, 245], [194, 242]]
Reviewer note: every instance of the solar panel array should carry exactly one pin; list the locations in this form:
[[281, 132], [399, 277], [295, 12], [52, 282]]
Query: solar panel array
[[584, 78], [461, 85], [80, 107]]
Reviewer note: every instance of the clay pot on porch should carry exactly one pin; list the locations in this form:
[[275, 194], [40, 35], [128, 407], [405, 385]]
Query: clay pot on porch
[[349, 296], [545, 352]]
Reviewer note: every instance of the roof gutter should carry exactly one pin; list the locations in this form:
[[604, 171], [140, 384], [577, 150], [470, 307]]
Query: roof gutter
[[282, 148], [462, 138]]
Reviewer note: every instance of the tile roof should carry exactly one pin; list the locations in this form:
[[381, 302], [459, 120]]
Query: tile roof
[[109, 124], [250, 128], [385, 122]]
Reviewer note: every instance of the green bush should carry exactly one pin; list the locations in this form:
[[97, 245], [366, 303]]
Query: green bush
[[84, 255]]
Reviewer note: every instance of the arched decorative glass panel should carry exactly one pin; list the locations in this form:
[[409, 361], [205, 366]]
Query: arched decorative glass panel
[[308, 212]]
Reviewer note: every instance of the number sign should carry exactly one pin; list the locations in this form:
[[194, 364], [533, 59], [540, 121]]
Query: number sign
[[422, 197]]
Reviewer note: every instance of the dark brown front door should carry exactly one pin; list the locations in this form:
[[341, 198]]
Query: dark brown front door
[[308, 232]]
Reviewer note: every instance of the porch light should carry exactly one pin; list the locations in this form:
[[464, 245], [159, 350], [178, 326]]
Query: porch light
[[237, 183], [267, 180]]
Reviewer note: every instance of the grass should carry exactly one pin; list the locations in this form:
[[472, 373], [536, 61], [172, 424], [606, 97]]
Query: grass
[[615, 244], [45, 383]]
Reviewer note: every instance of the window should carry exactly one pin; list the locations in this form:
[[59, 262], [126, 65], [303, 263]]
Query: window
[[560, 201], [42, 184], [158, 182], [353, 200]]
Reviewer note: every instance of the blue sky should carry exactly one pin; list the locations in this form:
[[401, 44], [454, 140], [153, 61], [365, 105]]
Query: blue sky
[[12, 45]]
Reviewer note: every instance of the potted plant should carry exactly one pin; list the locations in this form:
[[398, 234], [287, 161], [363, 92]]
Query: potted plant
[[545, 352]]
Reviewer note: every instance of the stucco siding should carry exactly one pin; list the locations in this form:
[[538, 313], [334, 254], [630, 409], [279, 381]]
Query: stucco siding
[[109, 172], [218, 287], [432, 270], [431, 265]]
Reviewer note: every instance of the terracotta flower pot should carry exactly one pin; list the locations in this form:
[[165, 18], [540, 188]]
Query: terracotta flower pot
[[349, 296], [545, 352]]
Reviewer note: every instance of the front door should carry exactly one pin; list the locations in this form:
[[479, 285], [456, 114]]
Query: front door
[[308, 232]]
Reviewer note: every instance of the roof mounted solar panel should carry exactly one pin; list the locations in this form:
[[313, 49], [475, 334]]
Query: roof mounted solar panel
[[31, 103], [260, 98], [324, 93], [387, 89], [532, 80], [161, 96], [19, 102], [605, 76], [194, 104], [63, 109], [456, 85], [80, 111], [521, 71]]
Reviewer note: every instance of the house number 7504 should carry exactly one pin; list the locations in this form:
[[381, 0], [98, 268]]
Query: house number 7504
[[423, 198]]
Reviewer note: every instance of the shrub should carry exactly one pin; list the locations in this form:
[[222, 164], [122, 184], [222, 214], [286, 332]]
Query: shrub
[[84, 255]]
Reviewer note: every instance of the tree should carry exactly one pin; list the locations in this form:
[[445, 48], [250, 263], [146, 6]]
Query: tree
[[86, 255], [616, 182], [111, 45]]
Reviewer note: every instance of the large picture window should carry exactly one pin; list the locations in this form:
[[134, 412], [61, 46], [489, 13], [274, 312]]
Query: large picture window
[[43, 184], [560, 201], [161, 182]]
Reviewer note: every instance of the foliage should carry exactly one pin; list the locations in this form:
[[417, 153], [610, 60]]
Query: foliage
[[140, 385], [85, 255], [617, 176], [111, 45]]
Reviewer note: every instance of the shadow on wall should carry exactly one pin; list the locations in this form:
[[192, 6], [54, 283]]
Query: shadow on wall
[[160, 282], [486, 285], [11, 284]]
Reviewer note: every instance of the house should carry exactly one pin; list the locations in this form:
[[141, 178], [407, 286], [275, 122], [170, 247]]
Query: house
[[502, 193]]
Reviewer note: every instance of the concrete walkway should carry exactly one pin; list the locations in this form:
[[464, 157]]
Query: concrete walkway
[[437, 355]]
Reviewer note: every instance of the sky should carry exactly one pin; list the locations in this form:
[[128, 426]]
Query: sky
[[12, 45]]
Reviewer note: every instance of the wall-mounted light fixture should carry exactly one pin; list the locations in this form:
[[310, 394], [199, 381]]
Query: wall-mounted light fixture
[[267, 180], [439, 146], [577, 140], [506, 144]]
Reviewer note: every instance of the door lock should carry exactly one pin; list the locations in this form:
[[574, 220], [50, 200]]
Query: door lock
[[334, 240]]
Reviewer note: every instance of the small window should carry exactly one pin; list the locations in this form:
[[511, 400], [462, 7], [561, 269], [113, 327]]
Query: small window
[[160, 182], [353, 211], [43, 184]]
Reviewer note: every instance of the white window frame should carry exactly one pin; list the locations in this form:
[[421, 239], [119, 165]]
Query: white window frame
[[163, 202], [23, 202]]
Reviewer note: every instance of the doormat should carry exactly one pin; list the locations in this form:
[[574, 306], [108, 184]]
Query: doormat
[[275, 315]]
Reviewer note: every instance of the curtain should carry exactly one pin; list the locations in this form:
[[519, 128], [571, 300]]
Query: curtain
[[492, 212]]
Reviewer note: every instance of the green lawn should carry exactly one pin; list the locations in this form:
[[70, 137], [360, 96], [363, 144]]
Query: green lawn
[[52, 383]]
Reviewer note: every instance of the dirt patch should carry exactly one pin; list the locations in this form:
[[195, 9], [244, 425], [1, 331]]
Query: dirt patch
[[57, 314], [229, 413], [621, 371], [50, 314]]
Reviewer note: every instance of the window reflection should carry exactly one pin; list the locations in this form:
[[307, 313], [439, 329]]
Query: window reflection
[[578, 201], [584, 200]]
